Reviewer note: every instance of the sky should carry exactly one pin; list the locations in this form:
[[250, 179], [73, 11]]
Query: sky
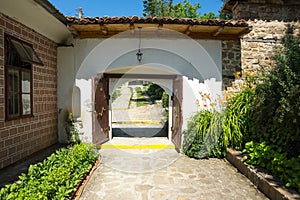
[[101, 8]]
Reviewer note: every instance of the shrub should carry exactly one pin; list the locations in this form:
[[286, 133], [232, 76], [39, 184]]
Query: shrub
[[54, 178], [265, 113], [238, 114], [154, 91], [140, 98], [278, 164], [165, 100], [201, 139], [72, 131], [115, 95], [276, 114]]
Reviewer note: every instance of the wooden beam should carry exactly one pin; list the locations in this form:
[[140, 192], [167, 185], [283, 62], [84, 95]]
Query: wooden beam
[[245, 31], [188, 30], [234, 6], [160, 26], [140, 76], [99, 34], [193, 31], [131, 27], [103, 29], [73, 31], [218, 31]]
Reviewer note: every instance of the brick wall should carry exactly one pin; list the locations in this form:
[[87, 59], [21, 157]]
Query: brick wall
[[22, 137]]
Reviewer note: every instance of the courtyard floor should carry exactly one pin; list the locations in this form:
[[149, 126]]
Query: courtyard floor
[[162, 173]]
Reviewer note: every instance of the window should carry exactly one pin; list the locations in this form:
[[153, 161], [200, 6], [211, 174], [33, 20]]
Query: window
[[19, 57]]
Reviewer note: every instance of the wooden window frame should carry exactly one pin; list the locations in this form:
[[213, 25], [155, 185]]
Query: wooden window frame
[[20, 69]]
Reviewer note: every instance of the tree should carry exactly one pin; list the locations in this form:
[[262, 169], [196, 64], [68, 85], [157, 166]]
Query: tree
[[166, 8], [209, 15], [225, 15]]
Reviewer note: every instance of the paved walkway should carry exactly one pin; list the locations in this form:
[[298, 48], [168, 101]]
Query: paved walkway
[[143, 121], [122, 114], [122, 101], [164, 174]]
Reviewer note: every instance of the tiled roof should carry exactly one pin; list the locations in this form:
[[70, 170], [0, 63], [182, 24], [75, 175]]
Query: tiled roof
[[155, 20]]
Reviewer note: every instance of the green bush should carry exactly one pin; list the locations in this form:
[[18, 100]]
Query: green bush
[[264, 118], [115, 94], [154, 91], [201, 139], [276, 114], [278, 164], [140, 98], [72, 131], [238, 114], [54, 178], [209, 133], [165, 100]]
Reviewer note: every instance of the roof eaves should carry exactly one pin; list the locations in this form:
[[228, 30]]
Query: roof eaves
[[155, 20], [52, 10]]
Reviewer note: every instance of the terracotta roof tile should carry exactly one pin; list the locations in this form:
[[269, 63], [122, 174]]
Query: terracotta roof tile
[[155, 20]]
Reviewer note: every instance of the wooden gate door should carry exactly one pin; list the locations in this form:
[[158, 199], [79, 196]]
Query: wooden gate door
[[177, 112], [101, 110]]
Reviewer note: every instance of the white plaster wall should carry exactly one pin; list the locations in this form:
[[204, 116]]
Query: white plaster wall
[[196, 59], [65, 82], [192, 90], [85, 118], [199, 60], [69, 60]]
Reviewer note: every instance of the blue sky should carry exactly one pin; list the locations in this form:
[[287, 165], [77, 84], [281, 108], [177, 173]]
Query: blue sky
[[100, 8]]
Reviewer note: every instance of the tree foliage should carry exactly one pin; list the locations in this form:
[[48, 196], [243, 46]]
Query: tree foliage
[[166, 8]]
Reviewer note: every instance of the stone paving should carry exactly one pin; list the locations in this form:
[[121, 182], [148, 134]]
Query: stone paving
[[143, 121], [122, 101], [165, 174], [159, 172], [121, 112]]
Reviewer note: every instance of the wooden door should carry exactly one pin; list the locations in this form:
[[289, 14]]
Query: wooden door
[[177, 112], [101, 110]]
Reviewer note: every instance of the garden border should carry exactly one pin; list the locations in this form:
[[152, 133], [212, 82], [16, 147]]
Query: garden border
[[80, 187], [269, 185]]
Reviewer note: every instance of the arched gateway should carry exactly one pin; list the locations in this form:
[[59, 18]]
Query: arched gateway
[[185, 56]]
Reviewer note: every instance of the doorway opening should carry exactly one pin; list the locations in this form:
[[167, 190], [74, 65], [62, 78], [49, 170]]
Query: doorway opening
[[104, 123], [139, 108]]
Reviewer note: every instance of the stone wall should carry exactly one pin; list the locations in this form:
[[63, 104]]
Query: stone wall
[[259, 46], [231, 60], [270, 20], [24, 136], [287, 10]]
